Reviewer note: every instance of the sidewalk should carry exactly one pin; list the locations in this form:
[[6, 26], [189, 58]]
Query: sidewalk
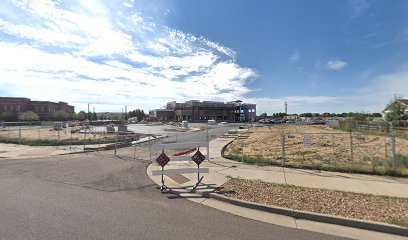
[[17, 151], [220, 168]]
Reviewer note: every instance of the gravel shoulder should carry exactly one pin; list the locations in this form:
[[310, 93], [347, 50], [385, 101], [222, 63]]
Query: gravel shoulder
[[346, 204]]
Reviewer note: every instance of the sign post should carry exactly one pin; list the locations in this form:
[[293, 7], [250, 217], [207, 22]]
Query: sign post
[[162, 160], [198, 158]]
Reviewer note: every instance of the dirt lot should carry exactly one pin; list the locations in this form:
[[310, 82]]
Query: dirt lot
[[36, 133], [328, 146], [353, 205]]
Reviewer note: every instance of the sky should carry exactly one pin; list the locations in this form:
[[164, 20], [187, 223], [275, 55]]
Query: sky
[[316, 55]]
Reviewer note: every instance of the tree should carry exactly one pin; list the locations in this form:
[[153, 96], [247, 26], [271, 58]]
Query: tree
[[278, 115], [309, 115], [61, 115], [28, 116], [376, 115], [94, 116], [359, 116], [8, 117], [397, 112], [81, 116], [137, 113], [263, 115]]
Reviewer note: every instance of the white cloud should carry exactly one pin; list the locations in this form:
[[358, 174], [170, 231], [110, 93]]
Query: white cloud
[[336, 64], [112, 57], [358, 7], [295, 56], [128, 4]]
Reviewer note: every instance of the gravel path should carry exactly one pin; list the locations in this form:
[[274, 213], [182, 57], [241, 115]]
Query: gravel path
[[353, 205]]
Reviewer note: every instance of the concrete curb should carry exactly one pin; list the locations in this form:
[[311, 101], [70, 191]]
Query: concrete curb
[[317, 217], [79, 152]]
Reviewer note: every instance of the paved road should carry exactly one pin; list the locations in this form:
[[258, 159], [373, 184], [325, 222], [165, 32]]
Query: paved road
[[94, 196]]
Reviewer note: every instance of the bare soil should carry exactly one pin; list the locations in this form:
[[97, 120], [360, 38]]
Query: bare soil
[[64, 134], [328, 145]]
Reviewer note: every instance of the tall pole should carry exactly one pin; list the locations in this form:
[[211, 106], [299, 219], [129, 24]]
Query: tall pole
[[208, 144], [88, 113], [286, 108]]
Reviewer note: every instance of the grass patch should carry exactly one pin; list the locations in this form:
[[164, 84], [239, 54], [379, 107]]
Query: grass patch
[[398, 222], [400, 171], [259, 161]]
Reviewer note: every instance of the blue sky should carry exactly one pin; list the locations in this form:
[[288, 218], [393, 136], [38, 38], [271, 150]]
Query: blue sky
[[319, 56]]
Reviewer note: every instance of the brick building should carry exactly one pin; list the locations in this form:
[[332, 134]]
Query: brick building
[[44, 109], [197, 111]]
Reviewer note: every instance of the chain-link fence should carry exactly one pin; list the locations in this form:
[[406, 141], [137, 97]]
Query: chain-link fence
[[148, 147], [137, 141], [361, 152], [372, 126]]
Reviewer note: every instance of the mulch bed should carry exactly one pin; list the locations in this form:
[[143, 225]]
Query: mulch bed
[[346, 204]]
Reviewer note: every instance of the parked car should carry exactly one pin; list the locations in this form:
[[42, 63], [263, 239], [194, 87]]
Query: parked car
[[318, 122]]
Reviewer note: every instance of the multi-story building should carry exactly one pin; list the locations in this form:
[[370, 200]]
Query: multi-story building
[[162, 114], [44, 109], [197, 111], [245, 112]]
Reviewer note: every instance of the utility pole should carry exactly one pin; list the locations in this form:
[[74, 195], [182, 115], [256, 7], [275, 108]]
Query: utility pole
[[126, 112], [286, 108], [88, 113]]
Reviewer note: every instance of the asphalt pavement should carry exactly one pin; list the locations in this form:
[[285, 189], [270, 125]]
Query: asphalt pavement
[[102, 196]]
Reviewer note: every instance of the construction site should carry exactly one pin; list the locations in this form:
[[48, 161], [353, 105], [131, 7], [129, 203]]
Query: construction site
[[322, 147]]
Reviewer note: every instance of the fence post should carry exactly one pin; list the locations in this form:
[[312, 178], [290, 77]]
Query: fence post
[[334, 148], [385, 148], [283, 149], [208, 144], [116, 142], [351, 148], [242, 150], [150, 148], [19, 135], [393, 145]]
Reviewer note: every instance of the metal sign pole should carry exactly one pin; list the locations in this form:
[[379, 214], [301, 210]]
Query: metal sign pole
[[208, 145], [198, 173], [162, 179]]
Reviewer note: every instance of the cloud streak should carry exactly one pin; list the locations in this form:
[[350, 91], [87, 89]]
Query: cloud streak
[[336, 64], [83, 51], [295, 57]]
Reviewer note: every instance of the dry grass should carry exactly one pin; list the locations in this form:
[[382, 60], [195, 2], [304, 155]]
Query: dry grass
[[329, 147], [353, 205], [48, 136]]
